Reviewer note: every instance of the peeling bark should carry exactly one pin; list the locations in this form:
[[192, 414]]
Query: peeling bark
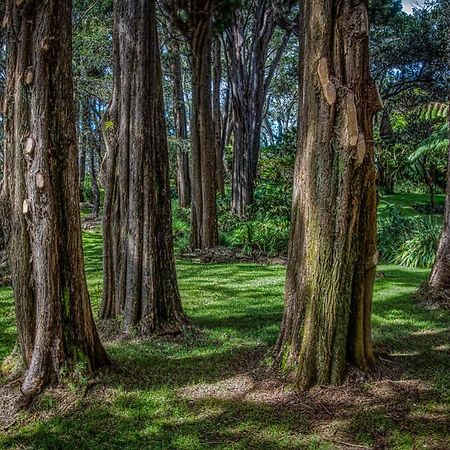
[[332, 250], [41, 191]]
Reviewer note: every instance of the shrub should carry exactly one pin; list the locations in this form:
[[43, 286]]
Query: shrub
[[408, 241]]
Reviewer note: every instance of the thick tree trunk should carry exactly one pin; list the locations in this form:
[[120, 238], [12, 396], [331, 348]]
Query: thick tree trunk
[[84, 144], [139, 266], [439, 283], [332, 250], [217, 117], [183, 170], [54, 320], [204, 231]]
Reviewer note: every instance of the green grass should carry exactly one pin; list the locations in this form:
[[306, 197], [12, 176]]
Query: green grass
[[406, 202], [151, 402]]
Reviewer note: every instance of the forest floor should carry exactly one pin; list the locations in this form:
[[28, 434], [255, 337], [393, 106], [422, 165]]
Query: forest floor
[[215, 389]]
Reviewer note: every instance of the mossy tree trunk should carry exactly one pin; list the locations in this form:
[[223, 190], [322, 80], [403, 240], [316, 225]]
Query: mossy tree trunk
[[439, 283], [332, 250], [139, 266], [41, 194]]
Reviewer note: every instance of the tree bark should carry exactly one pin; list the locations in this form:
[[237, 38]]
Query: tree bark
[[249, 79], [139, 265], [183, 170], [41, 189], [332, 250], [439, 283], [204, 230], [217, 117]]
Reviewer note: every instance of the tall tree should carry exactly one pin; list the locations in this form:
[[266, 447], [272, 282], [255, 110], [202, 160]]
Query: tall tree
[[139, 265], [194, 19], [332, 250], [179, 113], [438, 286], [217, 116], [40, 197], [247, 43]]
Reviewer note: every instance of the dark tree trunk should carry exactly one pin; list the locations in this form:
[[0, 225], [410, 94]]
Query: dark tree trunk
[[139, 266], [249, 80], [94, 152], [204, 231], [332, 250], [217, 117], [439, 283], [84, 143], [54, 320], [183, 171]]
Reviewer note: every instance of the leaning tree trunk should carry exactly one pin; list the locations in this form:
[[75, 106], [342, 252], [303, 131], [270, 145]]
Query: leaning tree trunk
[[179, 109], [438, 286], [204, 231], [332, 250], [139, 265], [54, 320]]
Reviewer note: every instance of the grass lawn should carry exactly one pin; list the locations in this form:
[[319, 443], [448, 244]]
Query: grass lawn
[[406, 202], [208, 392]]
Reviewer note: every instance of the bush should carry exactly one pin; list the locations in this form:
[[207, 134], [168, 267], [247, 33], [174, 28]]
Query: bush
[[269, 236], [408, 241]]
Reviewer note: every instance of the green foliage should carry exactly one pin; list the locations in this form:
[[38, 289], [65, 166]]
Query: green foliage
[[409, 241], [269, 235]]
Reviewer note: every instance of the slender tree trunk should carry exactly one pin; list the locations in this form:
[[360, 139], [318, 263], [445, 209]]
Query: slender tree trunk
[[438, 286], [183, 171], [204, 231], [95, 190], [84, 143], [332, 250], [54, 320], [139, 265], [217, 117]]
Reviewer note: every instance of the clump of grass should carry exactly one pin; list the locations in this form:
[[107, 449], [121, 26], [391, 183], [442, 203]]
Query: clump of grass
[[407, 240]]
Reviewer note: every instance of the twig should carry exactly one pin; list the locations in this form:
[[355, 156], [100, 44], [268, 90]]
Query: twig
[[348, 443]]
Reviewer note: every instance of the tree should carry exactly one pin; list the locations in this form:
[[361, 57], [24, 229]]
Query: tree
[[40, 193], [332, 250], [194, 19], [139, 265], [179, 113], [438, 286], [247, 44]]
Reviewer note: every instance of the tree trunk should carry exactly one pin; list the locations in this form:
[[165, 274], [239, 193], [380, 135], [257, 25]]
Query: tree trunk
[[139, 265], [204, 231], [95, 190], [439, 283], [217, 117], [332, 250], [183, 171], [249, 79], [54, 320], [84, 143]]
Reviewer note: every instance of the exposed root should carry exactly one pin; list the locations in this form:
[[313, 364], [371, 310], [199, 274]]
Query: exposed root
[[433, 297]]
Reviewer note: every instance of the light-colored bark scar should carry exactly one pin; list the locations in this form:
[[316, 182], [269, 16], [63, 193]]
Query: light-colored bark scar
[[361, 149], [25, 207], [28, 76], [351, 119], [29, 146], [372, 261], [328, 88], [40, 182]]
